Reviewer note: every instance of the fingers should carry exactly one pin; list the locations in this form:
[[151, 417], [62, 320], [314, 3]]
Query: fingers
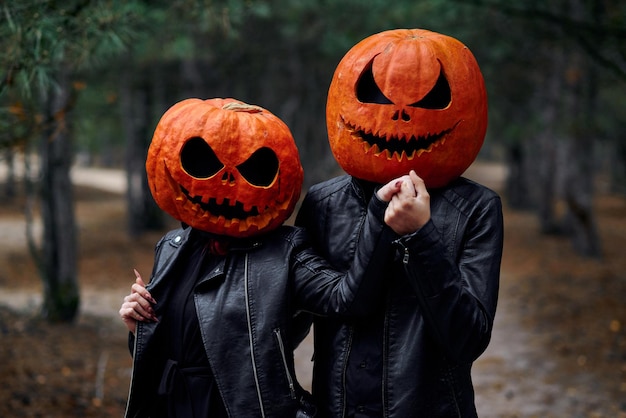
[[409, 209], [138, 308], [386, 192], [407, 186], [140, 287], [407, 191], [137, 288], [418, 183], [138, 278], [137, 305]]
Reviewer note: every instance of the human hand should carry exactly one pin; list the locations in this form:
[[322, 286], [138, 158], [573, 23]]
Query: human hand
[[138, 305], [386, 192], [409, 209]]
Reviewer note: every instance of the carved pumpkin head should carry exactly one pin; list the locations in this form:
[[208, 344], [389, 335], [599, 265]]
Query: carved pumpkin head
[[407, 99], [225, 167]]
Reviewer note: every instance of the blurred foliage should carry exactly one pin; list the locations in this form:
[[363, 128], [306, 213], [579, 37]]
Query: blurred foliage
[[39, 37]]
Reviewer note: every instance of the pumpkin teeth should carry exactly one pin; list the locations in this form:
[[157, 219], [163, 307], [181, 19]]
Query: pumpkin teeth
[[397, 146], [192, 206], [360, 129], [219, 207], [224, 212], [264, 219], [285, 203]]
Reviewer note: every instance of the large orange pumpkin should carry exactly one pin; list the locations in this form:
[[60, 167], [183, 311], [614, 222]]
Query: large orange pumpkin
[[224, 167], [407, 99]]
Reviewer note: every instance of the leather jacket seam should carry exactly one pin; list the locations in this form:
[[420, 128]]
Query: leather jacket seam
[[251, 335]]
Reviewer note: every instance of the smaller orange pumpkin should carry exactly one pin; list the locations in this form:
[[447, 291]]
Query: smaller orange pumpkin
[[225, 167], [407, 99]]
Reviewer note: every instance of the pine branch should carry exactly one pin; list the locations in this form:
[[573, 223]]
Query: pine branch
[[587, 34]]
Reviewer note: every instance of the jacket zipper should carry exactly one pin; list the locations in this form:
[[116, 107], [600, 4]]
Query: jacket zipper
[[249, 320], [132, 371], [385, 360], [281, 346], [344, 371], [452, 391]]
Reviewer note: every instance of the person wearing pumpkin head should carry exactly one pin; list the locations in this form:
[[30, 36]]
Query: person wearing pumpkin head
[[214, 331], [404, 100]]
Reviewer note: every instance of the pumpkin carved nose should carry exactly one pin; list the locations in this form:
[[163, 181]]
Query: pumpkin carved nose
[[228, 178], [401, 115]]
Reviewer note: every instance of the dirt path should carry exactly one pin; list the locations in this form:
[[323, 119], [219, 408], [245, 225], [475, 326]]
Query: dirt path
[[523, 373], [518, 375]]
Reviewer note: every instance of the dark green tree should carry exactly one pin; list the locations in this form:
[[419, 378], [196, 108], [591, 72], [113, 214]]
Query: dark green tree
[[551, 65], [46, 47]]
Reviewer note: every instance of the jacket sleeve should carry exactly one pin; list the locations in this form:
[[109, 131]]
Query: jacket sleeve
[[322, 290], [458, 297]]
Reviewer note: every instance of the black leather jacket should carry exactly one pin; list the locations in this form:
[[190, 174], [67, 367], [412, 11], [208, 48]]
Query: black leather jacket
[[439, 304], [246, 308]]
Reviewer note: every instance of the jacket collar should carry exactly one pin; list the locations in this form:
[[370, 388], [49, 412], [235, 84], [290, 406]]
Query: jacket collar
[[364, 189]]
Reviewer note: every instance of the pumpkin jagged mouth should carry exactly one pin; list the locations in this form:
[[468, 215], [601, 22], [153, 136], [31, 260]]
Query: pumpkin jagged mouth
[[225, 209], [398, 146]]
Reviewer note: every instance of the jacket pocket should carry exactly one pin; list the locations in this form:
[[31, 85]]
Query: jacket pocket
[[283, 356]]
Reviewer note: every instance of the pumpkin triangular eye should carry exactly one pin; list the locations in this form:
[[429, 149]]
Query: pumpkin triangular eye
[[261, 168], [438, 97], [198, 159], [367, 91]]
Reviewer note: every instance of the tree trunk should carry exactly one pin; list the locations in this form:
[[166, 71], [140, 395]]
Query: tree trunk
[[517, 190], [579, 104], [143, 213], [543, 177], [301, 95], [9, 186], [58, 253], [617, 167]]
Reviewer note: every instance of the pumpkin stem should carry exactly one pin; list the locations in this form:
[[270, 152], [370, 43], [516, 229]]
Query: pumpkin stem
[[242, 107]]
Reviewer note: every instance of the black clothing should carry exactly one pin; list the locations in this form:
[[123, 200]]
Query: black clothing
[[187, 385], [245, 305], [364, 383], [438, 304], [185, 341]]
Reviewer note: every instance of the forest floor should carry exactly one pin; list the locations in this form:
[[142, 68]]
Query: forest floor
[[558, 347]]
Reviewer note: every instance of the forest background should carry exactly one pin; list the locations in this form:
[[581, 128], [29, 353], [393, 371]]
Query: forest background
[[84, 82]]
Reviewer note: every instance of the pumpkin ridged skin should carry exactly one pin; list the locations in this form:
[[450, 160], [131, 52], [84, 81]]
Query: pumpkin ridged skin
[[234, 131], [406, 65]]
